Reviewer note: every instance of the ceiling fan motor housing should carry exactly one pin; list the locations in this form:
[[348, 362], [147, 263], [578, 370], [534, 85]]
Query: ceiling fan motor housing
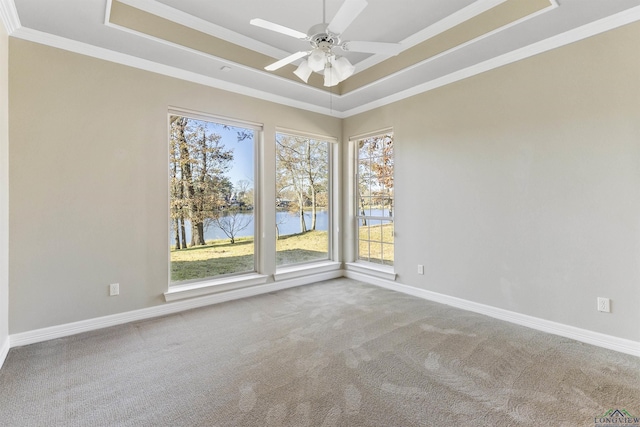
[[321, 38]]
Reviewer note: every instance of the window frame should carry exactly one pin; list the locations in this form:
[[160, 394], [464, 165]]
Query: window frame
[[290, 271], [213, 284], [381, 270]]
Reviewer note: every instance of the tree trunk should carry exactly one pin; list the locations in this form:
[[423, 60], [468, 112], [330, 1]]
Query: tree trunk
[[200, 239], [176, 232], [199, 203], [183, 232], [197, 234], [364, 221], [312, 187], [303, 225], [314, 208], [186, 174]]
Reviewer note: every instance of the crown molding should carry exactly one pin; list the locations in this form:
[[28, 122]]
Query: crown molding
[[552, 6], [439, 27], [179, 17], [166, 70], [9, 16], [611, 22], [594, 28], [174, 15]]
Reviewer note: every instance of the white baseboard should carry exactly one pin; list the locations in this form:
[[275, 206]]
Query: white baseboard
[[59, 331], [4, 351], [602, 340], [595, 338]]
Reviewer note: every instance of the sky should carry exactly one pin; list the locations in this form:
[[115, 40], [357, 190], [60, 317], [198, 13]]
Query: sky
[[243, 151]]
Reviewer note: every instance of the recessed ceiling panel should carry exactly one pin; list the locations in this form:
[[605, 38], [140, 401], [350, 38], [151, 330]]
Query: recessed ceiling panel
[[470, 27], [378, 22]]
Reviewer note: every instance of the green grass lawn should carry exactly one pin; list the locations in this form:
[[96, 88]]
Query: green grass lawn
[[220, 257], [305, 247], [376, 244], [215, 258]]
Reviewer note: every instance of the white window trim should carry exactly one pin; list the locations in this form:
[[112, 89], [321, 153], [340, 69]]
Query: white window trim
[[354, 264], [212, 285], [307, 269], [196, 115], [313, 267]]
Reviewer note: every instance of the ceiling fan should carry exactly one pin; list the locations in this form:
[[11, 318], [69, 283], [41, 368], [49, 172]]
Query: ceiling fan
[[323, 39]]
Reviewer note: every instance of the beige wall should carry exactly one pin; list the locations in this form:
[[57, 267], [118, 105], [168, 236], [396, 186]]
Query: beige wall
[[89, 198], [517, 188], [4, 188], [520, 188]]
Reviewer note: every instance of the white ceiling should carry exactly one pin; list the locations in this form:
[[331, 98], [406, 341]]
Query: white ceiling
[[382, 20], [82, 26]]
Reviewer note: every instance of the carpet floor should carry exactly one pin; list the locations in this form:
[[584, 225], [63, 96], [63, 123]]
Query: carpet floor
[[336, 353]]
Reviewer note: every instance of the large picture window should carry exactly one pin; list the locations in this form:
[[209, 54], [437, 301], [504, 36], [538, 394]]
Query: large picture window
[[375, 199], [302, 199], [211, 168]]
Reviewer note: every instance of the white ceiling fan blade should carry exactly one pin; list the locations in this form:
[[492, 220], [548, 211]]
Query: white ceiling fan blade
[[372, 47], [288, 60], [277, 28], [349, 11]]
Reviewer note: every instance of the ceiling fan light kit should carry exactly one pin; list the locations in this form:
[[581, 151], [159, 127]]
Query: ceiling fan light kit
[[323, 38], [331, 76], [303, 71], [335, 69], [317, 60], [345, 68]]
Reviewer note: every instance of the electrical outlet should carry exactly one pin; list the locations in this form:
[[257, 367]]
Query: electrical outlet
[[420, 269], [604, 305], [114, 289]]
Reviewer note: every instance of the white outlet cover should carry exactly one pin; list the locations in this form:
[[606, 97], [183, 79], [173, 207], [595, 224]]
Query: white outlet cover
[[604, 305], [114, 289]]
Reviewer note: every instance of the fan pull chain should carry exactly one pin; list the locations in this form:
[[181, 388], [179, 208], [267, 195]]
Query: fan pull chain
[[330, 101], [324, 11]]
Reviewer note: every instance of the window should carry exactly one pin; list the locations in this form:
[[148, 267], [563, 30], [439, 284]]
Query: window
[[211, 168], [302, 199], [374, 199]]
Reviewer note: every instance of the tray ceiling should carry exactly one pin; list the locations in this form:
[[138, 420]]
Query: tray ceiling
[[211, 42]]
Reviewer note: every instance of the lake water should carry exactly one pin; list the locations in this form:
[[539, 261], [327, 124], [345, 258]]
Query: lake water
[[288, 223]]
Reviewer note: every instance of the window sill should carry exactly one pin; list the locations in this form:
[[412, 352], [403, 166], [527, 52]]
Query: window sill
[[301, 270], [375, 270], [178, 292]]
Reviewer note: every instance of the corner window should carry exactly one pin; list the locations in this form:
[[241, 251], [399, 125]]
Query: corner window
[[211, 168], [302, 199], [374, 202]]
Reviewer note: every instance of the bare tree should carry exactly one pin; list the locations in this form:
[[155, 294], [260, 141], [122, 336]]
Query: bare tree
[[244, 193], [302, 171], [198, 163], [180, 167], [233, 222], [375, 173], [233, 219]]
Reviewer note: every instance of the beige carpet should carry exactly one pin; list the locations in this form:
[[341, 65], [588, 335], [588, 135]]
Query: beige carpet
[[337, 353]]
